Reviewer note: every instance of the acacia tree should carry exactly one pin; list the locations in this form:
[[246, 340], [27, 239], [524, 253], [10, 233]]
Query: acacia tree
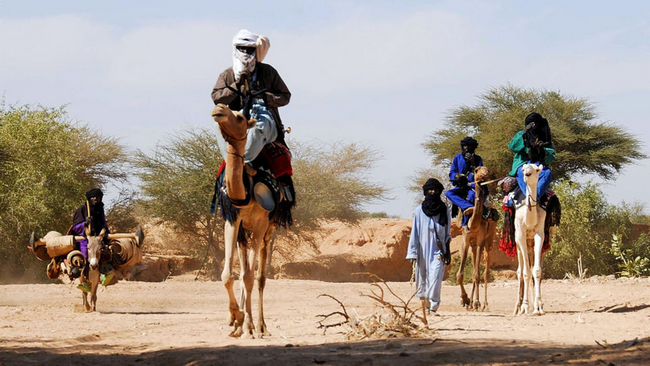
[[178, 181], [48, 164], [582, 144]]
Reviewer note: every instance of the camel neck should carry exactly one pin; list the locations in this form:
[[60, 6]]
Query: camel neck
[[235, 170], [477, 215]]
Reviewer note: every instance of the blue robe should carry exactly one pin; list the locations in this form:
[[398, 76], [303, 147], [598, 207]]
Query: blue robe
[[458, 166], [423, 247]]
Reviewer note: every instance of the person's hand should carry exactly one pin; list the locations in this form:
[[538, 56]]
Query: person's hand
[[89, 220], [447, 258], [461, 180], [530, 126]]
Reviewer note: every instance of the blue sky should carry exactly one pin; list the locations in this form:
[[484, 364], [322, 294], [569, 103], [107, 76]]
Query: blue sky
[[382, 73]]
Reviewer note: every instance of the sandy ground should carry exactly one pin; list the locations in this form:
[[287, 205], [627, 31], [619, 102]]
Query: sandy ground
[[181, 321]]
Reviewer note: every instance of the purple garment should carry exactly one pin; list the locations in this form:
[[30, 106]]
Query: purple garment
[[78, 229]]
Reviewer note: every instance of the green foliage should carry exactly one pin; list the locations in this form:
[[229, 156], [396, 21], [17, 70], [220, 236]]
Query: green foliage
[[177, 183], [332, 182], [48, 164], [588, 222], [581, 144], [629, 265]]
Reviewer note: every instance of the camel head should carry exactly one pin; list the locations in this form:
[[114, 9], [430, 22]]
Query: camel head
[[531, 172], [233, 125], [481, 174]]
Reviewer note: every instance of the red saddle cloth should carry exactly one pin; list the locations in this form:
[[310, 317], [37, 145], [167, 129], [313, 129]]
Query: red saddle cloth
[[278, 158]]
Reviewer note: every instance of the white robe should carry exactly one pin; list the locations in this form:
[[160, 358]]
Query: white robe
[[423, 247]]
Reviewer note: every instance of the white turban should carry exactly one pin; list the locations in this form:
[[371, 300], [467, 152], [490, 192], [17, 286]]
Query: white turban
[[244, 63]]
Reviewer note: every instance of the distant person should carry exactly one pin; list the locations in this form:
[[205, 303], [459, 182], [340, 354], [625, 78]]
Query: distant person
[[533, 145], [91, 213], [429, 244], [461, 175], [249, 75]]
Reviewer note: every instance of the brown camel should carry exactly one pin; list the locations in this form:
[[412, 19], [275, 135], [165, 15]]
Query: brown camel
[[478, 235], [251, 216]]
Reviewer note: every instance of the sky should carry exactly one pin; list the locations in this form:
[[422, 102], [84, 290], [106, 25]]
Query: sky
[[384, 74]]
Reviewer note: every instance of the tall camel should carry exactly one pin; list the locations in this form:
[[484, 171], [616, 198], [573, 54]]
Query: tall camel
[[251, 216], [479, 236], [529, 233]]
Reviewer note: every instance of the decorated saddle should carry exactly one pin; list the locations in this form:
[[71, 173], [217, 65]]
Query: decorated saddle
[[271, 186]]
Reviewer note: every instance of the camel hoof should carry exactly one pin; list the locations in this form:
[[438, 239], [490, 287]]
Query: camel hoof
[[236, 333], [464, 302], [263, 332], [477, 305]]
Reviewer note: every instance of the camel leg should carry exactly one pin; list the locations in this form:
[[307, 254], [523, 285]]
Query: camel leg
[[477, 257], [486, 275], [520, 240], [464, 300], [262, 330], [247, 259], [476, 275], [537, 273], [526, 274], [236, 317]]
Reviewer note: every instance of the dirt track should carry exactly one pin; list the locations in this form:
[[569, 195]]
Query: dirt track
[[182, 321]]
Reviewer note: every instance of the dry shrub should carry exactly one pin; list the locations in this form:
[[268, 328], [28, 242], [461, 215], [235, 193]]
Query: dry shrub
[[398, 320]]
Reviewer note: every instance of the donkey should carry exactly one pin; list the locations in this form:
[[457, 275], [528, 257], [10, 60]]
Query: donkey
[[92, 279]]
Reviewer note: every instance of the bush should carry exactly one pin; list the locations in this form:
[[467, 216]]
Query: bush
[[588, 223], [48, 164]]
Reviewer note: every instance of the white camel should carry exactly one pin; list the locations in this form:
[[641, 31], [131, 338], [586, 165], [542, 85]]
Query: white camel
[[529, 234]]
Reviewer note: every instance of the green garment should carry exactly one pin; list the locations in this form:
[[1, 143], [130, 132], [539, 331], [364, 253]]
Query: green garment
[[517, 146]]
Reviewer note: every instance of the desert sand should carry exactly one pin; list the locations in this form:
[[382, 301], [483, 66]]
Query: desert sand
[[181, 321]]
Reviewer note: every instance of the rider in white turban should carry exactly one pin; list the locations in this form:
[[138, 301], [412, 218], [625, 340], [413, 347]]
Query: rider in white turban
[[248, 71]]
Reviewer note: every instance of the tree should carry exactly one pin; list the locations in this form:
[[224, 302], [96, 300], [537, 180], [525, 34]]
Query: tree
[[49, 163], [582, 145], [177, 182], [331, 181]]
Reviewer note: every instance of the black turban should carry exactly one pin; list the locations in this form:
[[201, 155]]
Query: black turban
[[432, 204], [536, 130], [432, 183], [468, 141], [95, 192]]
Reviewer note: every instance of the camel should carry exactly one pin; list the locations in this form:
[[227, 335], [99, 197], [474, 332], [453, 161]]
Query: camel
[[529, 232], [479, 236], [252, 216], [94, 258]]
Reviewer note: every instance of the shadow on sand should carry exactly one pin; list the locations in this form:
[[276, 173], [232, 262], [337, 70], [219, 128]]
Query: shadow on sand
[[376, 352]]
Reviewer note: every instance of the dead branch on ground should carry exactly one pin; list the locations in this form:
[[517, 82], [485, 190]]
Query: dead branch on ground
[[399, 322]]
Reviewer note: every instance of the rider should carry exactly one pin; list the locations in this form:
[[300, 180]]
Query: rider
[[533, 145], [461, 175], [249, 74], [90, 213]]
